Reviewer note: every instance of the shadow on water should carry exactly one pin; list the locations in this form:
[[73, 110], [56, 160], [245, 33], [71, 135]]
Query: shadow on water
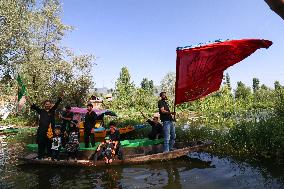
[[198, 170]]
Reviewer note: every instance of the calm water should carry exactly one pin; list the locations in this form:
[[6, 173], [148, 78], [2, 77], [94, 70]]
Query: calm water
[[198, 170]]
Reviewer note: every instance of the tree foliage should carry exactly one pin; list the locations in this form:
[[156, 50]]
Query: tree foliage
[[147, 85], [30, 45], [242, 91], [255, 85]]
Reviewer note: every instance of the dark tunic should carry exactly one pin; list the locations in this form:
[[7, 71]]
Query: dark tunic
[[46, 118], [90, 119], [115, 136], [164, 116]]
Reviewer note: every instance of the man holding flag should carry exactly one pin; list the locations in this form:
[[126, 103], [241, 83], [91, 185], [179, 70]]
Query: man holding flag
[[168, 124]]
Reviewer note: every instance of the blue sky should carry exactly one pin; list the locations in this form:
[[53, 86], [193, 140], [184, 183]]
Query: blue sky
[[143, 35]]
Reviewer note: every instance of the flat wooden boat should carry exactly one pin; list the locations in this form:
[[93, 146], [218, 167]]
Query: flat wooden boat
[[132, 155]]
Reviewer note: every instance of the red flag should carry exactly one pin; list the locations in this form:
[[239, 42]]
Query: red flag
[[199, 70]]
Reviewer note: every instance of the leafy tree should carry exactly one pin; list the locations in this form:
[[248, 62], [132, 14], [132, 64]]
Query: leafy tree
[[255, 84], [147, 85], [277, 85], [168, 84], [31, 46], [124, 90], [264, 87], [242, 91], [228, 81], [15, 22]]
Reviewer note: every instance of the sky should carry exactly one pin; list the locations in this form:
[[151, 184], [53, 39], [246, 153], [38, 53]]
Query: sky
[[143, 35]]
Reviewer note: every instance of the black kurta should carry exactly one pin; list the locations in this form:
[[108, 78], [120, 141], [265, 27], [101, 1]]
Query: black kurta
[[46, 118]]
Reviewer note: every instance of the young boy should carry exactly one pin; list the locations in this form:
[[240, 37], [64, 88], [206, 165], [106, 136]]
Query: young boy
[[72, 146], [56, 144]]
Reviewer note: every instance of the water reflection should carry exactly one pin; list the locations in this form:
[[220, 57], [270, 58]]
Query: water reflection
[[198, 170]]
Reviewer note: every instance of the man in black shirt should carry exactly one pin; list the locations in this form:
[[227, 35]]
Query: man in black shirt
[[47, 118], [157, 128], [168, 125], [90, 120]]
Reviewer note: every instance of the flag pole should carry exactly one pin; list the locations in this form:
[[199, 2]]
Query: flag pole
[[177, 63]]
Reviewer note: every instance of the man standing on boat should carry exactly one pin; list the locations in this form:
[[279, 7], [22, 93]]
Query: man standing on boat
[[168, 124], [90, 120], [46, 122]]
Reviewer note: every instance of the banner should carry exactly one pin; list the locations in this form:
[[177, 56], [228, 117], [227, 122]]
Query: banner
[[199, 70]]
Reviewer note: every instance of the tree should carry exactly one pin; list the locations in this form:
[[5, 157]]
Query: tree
[[228, 81], [147, 85], [15, 24], [168, 84], [264, 87], [277, 85], [242, 92], [32, 48], [255, 84], [124, 90]]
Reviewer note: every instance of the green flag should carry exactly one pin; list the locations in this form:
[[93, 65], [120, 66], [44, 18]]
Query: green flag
[[22, 88]]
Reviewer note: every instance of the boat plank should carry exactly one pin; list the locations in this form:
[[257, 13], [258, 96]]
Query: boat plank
[[129, 159]]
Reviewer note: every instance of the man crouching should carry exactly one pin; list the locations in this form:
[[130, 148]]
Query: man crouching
[[105, 151]]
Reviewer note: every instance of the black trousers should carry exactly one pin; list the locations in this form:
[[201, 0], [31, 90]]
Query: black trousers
[[87, 136], [55, 154], [44, 147], [73, 154], [102, 152]]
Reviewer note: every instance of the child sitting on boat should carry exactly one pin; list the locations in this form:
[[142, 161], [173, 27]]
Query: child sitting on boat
[[72, 146], [105, 151], [56, 144]]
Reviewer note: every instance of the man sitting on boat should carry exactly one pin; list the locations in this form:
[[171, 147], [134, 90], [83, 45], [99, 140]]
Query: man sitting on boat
[[105, 151], [115, 138], [157, 127]]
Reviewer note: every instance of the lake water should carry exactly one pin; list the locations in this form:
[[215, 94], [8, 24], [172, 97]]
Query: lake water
[[198, 170]]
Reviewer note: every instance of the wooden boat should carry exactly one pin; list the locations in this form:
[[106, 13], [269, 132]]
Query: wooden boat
[[132, 155]]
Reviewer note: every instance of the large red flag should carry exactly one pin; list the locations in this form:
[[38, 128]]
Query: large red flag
[[199, 70]]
